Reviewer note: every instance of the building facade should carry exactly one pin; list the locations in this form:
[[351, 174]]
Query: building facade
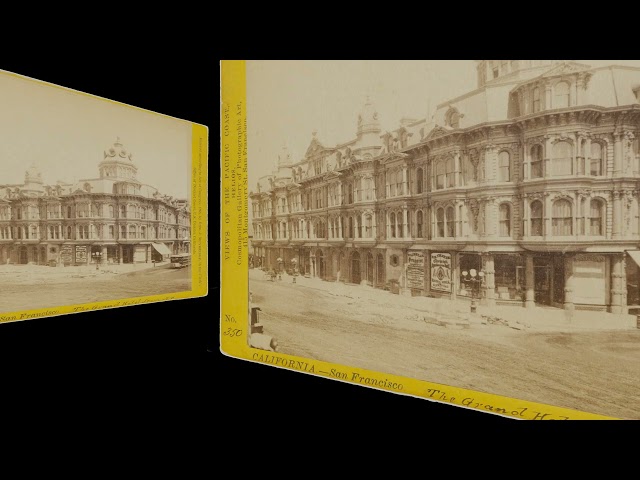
[[532, 179], [111, 219]]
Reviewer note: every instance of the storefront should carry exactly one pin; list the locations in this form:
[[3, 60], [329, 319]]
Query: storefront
[[510, 277]]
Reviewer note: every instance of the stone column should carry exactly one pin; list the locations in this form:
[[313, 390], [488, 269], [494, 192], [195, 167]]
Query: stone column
[[490, 281], [456, 168], [568, 282], [120, 254], [617, 214], [618, 284], [405, 215], [405, 186], [547, 213], [617, 155], [374, 230], [546, 160], [529, 282]]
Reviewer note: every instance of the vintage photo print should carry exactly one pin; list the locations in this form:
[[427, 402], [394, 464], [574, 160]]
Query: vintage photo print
[[463, 231], [95, 200]]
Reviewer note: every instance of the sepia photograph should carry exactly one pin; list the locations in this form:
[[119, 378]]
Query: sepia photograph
[[95, 199], [472, 223]]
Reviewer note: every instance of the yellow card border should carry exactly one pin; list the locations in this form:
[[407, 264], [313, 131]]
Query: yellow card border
[[234, 321], [199, 226]]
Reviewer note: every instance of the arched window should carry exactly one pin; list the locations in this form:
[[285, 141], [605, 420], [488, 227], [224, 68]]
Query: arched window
[[561, 218], [595, 159], [132, 231], [123, 211], [536, 100], [536, 161], [596, 217], [451, 224], [368, 226], [419, 221], [504, 166], [440, 175], [392, 224], [419, 180], [350, 227], [440, 222], [505, 220], [399, 183], [561, 95], [399, 218], [536, 218], [562, 158], [392, 184], [451, 168]]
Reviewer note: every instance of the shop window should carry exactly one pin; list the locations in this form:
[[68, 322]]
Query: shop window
[[468, 263], [509, 277], [562, 219]]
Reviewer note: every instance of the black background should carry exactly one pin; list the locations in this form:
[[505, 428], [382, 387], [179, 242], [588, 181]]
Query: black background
[[161, 362]]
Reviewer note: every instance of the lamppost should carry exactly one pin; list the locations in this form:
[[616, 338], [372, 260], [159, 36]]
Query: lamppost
[[474, 280]]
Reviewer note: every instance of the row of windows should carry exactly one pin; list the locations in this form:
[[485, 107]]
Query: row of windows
[[58, 232], [91, 210], [562, 222]]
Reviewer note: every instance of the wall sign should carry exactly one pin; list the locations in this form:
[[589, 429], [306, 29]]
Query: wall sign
[[415, 270], [441, 272]]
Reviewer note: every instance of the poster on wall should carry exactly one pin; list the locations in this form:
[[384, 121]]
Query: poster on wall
[[441, 272], [415, 270], [66, 254], [81, 254]]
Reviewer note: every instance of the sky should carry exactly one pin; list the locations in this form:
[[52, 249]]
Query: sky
[[288, 100], [66, 132]]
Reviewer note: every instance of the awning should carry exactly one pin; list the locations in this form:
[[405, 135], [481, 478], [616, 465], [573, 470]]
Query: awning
[[635, 254], [161, 248]]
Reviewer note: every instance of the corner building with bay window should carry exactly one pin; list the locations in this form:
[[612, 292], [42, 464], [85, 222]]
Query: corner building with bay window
[[111, 219], [531, 178]]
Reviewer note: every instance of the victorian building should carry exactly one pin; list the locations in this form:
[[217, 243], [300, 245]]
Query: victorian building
[[532, 179], [110, 219]]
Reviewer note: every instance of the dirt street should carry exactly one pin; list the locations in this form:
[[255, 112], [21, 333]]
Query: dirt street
[[49, 290], [597, 372]]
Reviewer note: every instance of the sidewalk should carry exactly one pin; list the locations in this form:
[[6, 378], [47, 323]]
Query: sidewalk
[[456, 313]]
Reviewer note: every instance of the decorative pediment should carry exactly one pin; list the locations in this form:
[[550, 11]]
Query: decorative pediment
[[565, 68], [314, 148], [437, 132]]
